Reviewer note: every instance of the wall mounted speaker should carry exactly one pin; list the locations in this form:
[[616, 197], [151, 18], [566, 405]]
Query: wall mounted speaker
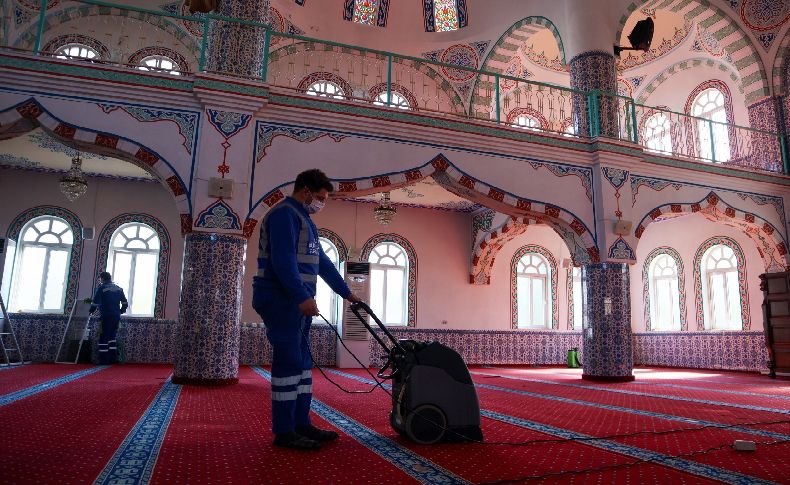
[[88, 233]]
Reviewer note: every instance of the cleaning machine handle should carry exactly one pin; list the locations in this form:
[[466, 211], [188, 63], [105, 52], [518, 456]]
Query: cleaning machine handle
[[356, 306]]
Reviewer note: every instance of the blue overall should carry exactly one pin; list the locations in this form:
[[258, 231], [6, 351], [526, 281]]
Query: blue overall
[[290, 259], [111, 301]]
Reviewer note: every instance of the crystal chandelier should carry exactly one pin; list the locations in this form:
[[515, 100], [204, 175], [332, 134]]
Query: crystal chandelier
[[73, 184], [384, 212]]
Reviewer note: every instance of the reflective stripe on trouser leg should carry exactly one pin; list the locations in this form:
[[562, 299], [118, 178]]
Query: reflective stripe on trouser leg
[[304, 391]]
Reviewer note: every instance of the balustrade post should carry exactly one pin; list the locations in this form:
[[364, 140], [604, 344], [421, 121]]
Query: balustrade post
[[42, 19]]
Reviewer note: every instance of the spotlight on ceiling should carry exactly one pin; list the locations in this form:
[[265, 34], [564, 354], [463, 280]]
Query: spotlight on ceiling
[[640, 38]]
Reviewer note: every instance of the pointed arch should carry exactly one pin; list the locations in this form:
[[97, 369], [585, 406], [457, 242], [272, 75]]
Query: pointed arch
[[30, 114], [664, 250], [745, 56], [486, 251], [401, 241], [770, 244], [75, 259], [163, 268], [504, 50], [743, 288], [576, 234]]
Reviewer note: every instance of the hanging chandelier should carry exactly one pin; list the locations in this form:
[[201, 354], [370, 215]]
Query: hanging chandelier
[[384, 212], [73, 184]]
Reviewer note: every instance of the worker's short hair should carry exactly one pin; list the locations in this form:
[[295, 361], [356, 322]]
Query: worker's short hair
[[105, 276], [314, 179]]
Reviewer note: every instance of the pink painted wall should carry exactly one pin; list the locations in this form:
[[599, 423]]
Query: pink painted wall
[[442, 241], [685, 235], [106, 198]]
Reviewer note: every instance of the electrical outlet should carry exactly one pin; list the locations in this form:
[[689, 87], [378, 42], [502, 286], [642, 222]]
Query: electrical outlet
[[444, 322]]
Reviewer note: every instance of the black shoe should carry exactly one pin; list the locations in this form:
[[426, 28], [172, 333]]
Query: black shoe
[[296, 442], [315, 434]]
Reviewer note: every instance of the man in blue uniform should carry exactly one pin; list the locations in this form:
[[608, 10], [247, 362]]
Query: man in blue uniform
[[111, 302], [290, 260]]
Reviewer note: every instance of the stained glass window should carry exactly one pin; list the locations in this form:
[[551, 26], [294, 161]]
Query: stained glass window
[[445, 13], [367, 12]]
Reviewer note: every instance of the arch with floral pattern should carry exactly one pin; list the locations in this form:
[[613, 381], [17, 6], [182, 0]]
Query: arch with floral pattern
[[743, 288], [681, 284], [75, 258], [163, 266], [412, 270], [334, 238], [530, 249]]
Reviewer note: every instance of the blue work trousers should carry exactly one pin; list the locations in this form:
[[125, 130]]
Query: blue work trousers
[[108, 345], [288, 330]]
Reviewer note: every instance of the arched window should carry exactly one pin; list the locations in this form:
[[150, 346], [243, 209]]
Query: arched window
[[328, 302], [389, 283], [76, 51], [326, 89], [656, 134], [721, 289], [578, 310], [711, 104], [325, 85], [527, 122], [159, 64], [40, 273], [664, 294], [133, 262], [533, 291], [397, 100]]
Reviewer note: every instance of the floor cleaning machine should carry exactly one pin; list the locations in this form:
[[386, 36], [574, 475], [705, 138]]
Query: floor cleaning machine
[[433, 396]]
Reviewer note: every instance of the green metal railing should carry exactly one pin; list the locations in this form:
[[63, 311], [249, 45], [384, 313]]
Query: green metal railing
[[357, 74]]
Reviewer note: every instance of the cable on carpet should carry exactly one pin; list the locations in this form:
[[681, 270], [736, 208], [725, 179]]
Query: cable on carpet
[[380, 384]]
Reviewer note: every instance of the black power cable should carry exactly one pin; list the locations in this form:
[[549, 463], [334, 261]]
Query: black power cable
[[380, 384]]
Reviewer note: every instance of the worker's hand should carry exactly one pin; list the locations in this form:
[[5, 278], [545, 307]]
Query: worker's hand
[[353, 298], [309, 307]]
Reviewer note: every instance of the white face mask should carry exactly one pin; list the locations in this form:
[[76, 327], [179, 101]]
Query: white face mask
[[315, 206]]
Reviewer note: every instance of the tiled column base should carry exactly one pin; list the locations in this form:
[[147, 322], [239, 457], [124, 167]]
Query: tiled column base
[[235, 48], [207, 339], [595, 71], [606, 337]]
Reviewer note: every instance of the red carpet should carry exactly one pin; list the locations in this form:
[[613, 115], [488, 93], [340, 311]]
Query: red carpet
[[20, 377], [223, 436], [67, 434]]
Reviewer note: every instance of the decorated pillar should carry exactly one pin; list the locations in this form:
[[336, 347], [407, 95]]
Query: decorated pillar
[[235, 48], [606, 323], [766, 150], [595, 71], [207, 342]]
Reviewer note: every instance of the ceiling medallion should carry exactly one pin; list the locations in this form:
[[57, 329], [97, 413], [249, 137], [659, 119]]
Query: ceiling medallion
[[384, 212], [73, 184]]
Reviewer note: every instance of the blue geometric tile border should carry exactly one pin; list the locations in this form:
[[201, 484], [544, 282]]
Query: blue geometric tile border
[[45, 386], [414, 465], [133, 462]]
